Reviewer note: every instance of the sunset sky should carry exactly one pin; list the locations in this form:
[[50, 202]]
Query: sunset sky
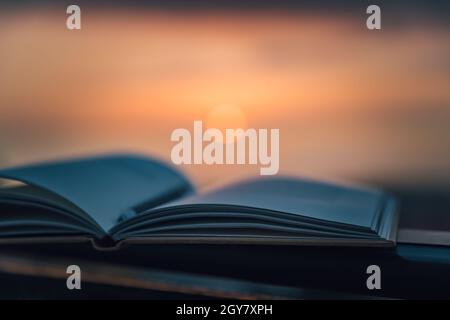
[[351, 104]]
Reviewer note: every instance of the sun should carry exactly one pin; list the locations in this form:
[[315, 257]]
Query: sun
[[226, 116]]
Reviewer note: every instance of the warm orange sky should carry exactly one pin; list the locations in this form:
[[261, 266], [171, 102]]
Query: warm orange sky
[[349, 103]]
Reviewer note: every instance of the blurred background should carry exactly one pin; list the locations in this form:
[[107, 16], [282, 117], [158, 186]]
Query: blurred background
[[351, 104]]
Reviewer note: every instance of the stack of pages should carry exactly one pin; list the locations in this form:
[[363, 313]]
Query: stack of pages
[[122, 198]]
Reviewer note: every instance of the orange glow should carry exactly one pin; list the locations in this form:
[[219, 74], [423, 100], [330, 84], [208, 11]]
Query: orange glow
[[349, 103], [226, 116]]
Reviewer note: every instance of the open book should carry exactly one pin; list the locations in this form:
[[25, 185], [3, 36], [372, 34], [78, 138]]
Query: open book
[[128, 199]]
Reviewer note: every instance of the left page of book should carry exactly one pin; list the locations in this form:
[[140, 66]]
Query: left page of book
[[107, 188]]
